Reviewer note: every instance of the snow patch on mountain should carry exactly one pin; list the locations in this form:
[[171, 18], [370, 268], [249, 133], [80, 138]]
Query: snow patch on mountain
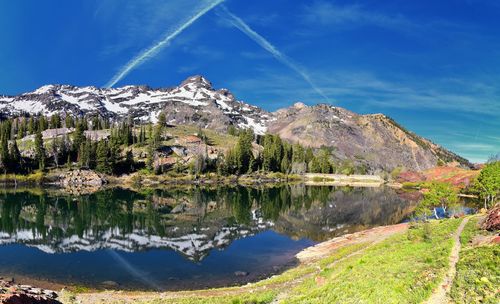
[[183, 104]]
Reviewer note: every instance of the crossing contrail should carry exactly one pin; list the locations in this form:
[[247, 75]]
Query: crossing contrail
[[152, 50], [242, 26]]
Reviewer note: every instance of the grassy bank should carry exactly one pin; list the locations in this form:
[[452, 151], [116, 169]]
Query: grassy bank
[[13, 179], [478, 273], [405, 267]]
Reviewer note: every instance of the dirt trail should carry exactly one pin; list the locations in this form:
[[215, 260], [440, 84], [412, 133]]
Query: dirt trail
[[323, 249], [440, 295], [307, 256]]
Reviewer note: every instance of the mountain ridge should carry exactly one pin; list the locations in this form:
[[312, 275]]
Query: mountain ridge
[[374, 140]]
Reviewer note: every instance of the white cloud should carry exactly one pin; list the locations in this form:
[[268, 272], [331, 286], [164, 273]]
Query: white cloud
[[331, 14], [374, 92]]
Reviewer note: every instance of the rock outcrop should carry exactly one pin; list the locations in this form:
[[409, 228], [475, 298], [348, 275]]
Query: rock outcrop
[[80, 182], [81, 177], [492, 220], [11, 293]]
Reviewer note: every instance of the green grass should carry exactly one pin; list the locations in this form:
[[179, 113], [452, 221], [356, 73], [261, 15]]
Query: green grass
[[401, 269], [33, 178], [404, 268], [470, 230], [259, 298], [214, 138], [478, 272]]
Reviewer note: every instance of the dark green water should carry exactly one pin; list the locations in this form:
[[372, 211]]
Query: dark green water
[[179, 239]]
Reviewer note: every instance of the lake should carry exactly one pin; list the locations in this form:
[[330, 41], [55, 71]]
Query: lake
[[179, 238]]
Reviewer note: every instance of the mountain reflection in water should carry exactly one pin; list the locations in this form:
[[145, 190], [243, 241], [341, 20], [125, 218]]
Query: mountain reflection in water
[[270, 224]]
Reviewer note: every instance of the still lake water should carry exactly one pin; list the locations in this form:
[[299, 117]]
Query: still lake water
[[179, 238]]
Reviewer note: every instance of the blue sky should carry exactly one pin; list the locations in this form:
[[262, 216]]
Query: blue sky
[[434, 66]]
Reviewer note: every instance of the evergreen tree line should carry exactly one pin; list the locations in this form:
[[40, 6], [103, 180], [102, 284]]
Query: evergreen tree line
[[276, 155], [113, 155], [103, 155], [19, 127]]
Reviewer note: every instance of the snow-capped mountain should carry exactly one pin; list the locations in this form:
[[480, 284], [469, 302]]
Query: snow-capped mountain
[[375, 141], [195, 101]]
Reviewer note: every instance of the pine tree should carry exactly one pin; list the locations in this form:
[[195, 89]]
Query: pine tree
[[42, 123], [39, 150], [31, 125], [55, 121], [324, 161], [114, 154], [69, 121], [273, 153], [162, 120], [308, 157], [315, 166], [92, 150], [102, 159], [150, 156], [95, 123], [129, 161], [15, 123], [21, 130], [83, 156], [243, 150], [298, 154], [285, 164], [156, 138], [63, 149], [15, 157], [231, 162], [150, 131], [78, 137], [4, 152]]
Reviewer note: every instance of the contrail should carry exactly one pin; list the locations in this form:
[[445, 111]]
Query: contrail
[[242, 26], [152, 50]]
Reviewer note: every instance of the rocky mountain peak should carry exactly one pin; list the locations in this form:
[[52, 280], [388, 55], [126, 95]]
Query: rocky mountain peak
[[299, 105], [193, 102], [197, 81]]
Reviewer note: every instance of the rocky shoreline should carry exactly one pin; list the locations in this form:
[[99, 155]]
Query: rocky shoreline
[[12, 293], [87, 181]]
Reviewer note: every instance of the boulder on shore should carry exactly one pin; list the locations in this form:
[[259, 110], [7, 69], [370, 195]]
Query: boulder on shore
[[11, 293], [81, 177], [492, 220], [80, 182]]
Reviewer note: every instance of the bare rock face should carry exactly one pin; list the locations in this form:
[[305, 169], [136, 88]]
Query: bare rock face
[[11, 293], [492, 220], [374, 140]]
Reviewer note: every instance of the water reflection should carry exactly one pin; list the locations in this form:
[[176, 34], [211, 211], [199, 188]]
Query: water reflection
[[190, 221], [239, 227]]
